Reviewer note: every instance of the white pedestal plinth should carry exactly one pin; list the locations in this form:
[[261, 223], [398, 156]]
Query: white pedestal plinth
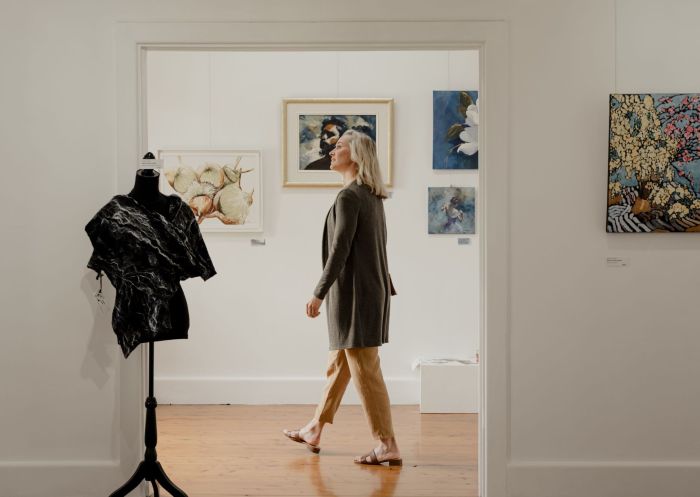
[[451, 387]]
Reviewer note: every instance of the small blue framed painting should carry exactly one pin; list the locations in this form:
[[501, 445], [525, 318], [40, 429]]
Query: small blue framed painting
[[451, 210], [455, 130]]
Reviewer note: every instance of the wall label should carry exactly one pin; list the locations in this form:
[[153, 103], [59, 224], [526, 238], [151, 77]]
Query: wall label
[[617, 261]]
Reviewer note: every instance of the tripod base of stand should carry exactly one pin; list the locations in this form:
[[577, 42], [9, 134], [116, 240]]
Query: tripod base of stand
[[150, 469], [152, 472]]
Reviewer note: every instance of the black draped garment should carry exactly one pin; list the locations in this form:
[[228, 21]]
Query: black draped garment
[[145, 255]]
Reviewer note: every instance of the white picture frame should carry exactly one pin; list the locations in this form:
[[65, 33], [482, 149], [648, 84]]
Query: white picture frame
[[224, 188]]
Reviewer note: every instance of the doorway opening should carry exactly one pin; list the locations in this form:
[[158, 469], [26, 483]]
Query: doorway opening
[[254, 363]]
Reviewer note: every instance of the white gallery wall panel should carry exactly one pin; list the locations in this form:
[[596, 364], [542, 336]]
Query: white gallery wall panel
[[188, 123], [249, 334], [601, 361]]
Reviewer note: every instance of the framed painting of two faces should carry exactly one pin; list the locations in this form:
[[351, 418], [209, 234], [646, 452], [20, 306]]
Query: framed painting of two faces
[[312, 127]]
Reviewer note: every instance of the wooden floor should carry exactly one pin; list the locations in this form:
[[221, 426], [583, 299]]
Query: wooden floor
[[217, 451]]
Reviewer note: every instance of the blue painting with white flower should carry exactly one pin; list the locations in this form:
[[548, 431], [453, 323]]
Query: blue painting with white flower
[[455, 130], [451, 210]]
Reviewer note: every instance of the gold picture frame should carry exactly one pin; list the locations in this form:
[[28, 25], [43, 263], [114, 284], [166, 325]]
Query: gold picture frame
[[309, 122]]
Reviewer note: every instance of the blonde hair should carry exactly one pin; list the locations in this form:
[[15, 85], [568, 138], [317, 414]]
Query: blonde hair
[[363, 152]]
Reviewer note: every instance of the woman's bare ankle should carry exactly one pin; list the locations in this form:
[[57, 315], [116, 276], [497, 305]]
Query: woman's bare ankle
[[389, 444], [312, 431]]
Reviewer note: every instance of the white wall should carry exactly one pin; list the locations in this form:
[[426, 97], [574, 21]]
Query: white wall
[[603, 368], [250, 341], [58, 368]]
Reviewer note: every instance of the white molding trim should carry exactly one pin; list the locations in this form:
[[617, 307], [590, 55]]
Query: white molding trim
[[605, 478], [491, 39], [60, 478], [261, 391]]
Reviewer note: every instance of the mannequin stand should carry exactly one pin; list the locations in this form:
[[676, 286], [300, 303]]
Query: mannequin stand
[[150, 469]]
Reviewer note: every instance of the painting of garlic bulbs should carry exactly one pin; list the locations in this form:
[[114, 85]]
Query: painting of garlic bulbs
[[455, 130], [222, 187]]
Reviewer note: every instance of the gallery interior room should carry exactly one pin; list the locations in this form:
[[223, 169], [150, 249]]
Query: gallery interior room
[[289, 248]]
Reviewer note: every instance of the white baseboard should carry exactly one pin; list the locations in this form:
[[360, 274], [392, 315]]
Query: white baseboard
[[268, 390], [59, 478], [604, 479]]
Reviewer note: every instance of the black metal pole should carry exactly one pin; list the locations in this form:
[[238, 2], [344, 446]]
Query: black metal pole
[[151, 370], [150, 469], [151, 431]]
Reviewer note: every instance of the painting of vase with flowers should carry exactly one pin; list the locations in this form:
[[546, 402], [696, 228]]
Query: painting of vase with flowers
[[654, 163]]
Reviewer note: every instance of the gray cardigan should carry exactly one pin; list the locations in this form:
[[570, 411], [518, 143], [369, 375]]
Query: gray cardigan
[[355, 282]]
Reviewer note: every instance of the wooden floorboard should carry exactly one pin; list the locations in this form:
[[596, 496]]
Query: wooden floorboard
[[232, 451]]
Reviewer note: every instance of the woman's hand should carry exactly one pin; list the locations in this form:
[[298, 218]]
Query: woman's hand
[[312, 307]]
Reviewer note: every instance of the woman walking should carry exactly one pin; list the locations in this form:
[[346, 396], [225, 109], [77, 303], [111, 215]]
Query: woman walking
[[357, 289]]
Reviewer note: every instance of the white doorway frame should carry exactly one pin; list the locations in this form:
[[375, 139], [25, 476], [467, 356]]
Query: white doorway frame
[[133, 41]]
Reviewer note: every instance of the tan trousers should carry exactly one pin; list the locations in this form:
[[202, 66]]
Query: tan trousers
[[362, 365]]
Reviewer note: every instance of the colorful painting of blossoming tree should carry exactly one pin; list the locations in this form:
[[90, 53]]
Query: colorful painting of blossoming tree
[[654, 163]]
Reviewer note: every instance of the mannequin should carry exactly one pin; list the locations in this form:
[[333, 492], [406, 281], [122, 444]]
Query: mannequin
[[146, 193], [146, 243]]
